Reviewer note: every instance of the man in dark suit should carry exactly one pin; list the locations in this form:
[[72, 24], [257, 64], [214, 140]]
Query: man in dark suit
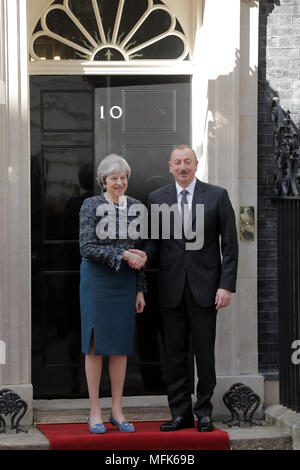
[[193, 284]]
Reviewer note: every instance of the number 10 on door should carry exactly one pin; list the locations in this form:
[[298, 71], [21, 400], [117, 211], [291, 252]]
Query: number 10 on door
[[115, 112]]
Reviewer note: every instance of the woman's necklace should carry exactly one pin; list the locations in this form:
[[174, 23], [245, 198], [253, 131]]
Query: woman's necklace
[[121, 206]]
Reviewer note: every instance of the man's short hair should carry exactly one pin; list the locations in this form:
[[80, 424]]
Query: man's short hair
[[182, 147]]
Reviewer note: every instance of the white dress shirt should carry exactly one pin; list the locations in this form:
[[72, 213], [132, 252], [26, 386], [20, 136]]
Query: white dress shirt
[[189, 196]]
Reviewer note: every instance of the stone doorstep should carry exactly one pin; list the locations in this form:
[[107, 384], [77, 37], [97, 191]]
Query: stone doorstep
[[287, 420], [147, 408], [32, 440], [265, 437], [137, 408]]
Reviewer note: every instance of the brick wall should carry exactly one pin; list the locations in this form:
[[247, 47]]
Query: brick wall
[[278, 75]]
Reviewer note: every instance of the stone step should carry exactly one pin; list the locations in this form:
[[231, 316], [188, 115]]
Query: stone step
[[145, 408], [265, 437], [154, 408], [269, 436]]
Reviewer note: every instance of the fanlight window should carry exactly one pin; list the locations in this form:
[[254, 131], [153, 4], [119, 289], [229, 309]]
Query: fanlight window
[[107, 30]]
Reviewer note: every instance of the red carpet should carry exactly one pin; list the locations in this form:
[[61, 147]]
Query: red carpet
[[147, 437]]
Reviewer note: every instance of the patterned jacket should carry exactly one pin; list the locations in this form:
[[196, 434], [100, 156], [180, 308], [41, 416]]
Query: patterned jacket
[[107, 250]]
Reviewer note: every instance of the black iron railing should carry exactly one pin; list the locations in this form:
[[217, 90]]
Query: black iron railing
[[286, 144], [286, 188]]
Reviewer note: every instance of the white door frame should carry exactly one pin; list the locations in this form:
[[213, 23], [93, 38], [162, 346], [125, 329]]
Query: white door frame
[[240, 362], [142, 67], [190, 17]]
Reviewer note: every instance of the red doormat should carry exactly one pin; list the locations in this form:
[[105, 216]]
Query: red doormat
[[147, 437]]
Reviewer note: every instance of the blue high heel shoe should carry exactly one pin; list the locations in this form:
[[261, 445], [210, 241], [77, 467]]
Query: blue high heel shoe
[[98, 428], [123, 427]]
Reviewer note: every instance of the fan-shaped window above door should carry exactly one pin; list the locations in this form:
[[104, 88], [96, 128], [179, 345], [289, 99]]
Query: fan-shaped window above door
[[108, 30]]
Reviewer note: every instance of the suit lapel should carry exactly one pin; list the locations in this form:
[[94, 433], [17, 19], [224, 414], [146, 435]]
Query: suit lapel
[[171, 194], [198, 197]]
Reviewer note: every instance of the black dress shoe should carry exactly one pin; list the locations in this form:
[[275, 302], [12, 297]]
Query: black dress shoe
[[205, 424], [178, 423]]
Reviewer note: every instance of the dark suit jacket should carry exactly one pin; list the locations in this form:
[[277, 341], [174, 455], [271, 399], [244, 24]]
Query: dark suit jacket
[[204, 268]]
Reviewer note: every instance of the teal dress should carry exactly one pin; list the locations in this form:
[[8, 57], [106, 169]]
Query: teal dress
[[108, 285]]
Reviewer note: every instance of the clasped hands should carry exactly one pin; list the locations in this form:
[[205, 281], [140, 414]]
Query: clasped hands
[[136, 259]]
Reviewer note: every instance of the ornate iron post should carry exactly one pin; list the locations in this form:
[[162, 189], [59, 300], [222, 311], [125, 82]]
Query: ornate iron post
[[241, 400], [286, 143]]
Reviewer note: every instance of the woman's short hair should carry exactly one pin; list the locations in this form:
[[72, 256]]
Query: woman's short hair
[[112, 164]]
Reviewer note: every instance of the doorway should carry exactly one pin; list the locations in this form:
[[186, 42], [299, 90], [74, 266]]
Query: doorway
[[75, 122]]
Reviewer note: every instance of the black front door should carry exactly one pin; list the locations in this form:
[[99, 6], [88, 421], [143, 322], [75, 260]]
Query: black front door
[[75, 122]]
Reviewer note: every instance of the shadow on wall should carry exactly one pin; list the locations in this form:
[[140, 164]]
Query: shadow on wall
[[227, 97], [217, 125], [217, 128]]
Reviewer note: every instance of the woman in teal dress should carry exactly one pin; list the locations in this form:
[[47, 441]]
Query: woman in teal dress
[[112, 286]]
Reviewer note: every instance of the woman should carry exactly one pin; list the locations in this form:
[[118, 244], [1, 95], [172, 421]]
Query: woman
[[111, 287]]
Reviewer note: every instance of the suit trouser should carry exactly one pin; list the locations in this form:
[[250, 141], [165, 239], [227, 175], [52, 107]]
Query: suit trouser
[[189, 320]]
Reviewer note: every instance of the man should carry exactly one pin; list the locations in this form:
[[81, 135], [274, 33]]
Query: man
[[193, 285]]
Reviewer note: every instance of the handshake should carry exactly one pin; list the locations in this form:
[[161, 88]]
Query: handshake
[[136, 259]]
